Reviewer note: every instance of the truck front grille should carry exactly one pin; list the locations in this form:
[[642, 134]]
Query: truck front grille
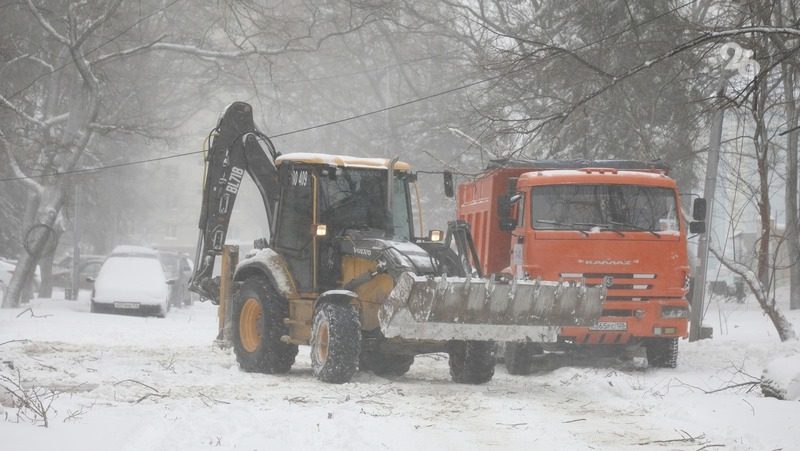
[[624, 287]]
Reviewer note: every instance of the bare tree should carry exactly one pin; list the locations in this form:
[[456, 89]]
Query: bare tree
[[90, 86]]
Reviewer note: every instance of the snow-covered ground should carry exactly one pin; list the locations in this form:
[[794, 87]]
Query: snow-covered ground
[[143, 383]]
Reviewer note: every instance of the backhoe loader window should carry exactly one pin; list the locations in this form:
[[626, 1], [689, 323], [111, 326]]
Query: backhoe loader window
[[356, 199], [294, 219], [604, 207]]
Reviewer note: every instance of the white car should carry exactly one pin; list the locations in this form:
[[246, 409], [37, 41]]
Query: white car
[[132, 278]]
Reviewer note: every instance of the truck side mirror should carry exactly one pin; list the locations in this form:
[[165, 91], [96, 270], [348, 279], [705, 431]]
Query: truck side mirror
[[505, 211], [697, 227], [448, 184], [699, 209]]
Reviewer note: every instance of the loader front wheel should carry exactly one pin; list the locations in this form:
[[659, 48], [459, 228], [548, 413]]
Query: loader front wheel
[[258, 313], [471, 362], [662, 352], [335, 342], [519, 357]]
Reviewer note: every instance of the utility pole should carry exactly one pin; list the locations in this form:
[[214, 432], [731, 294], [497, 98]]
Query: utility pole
[[696, 329]]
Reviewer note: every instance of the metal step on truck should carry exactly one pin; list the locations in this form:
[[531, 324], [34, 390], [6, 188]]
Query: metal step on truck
[[611, 223]]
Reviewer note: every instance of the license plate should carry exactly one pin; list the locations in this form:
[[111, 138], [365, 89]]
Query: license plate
[[610, 325], [127, 305]]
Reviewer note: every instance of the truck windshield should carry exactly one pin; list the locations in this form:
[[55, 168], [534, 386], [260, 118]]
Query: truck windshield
[[604, 207], [354, 198]]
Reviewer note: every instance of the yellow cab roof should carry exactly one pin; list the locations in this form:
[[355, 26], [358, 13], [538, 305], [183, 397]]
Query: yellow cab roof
[[344, 161]]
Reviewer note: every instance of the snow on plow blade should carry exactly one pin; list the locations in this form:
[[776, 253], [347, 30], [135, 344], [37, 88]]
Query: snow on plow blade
[[457, 308]]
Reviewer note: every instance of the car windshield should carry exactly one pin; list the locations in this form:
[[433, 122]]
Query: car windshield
[[356, 198], [604, 207]]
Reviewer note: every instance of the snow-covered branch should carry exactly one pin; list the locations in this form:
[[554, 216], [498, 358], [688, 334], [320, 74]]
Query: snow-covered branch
[[8, 104], [32, 184], [97, 22], [782, 325], [45, 24], [127, 52], [28, 56]]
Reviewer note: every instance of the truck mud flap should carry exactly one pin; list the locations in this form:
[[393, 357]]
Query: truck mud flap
[[458, 308]]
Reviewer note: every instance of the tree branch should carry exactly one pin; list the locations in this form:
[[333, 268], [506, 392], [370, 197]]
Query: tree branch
[[45, 24], [32, 184], [96, 23], [20, 113]]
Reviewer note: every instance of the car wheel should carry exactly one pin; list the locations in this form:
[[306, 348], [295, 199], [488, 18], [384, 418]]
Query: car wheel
[[163, 309]]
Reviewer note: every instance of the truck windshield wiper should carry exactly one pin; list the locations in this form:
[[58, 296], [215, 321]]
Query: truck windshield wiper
[[563, 224], [636, 227], [608, 227]]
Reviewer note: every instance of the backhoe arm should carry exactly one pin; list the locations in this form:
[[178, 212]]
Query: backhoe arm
[[235, 150]]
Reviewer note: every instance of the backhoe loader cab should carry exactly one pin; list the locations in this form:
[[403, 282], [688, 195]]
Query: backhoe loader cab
[[344, 273], [329, 199]]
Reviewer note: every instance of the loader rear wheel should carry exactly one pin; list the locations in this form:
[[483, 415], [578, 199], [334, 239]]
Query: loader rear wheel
[[384, 364], [471, 362], [258, 313], [519, 357], [335, 342], [662, 352]]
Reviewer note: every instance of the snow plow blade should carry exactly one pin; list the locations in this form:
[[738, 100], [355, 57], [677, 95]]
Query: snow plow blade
[[457, 308]]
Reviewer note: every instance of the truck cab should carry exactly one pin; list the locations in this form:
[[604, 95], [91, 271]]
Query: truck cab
[[617, 224]]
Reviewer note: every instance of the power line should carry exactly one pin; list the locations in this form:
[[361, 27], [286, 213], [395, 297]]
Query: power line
[[368, 113]]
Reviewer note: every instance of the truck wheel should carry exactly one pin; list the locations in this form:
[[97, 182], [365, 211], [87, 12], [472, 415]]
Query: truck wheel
[[519, 357], [383, 364], [471, 362], [258, 313], [662, 352], [335, 342]]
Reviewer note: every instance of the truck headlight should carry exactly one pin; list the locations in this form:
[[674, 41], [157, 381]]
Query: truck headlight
[[674, 312]]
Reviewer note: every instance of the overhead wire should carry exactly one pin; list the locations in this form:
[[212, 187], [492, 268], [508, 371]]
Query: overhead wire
[[368, 113]]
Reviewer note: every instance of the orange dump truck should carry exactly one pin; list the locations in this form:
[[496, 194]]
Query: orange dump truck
[[612, 222]]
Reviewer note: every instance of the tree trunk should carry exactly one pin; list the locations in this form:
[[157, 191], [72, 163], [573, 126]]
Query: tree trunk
[[761, 144], [51, 203], [792, 232], [46, 266]]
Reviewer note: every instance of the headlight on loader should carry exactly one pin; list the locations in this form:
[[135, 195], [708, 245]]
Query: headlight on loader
[[671, 312]]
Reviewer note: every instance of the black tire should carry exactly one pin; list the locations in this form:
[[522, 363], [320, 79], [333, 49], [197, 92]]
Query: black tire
[[335, 342], [386, 365], [519, 357], [471, 362], [258, 313], [662, 352], [771, 389], [162, 310]]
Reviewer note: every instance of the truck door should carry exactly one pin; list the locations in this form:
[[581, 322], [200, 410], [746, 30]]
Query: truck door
[[293, 236]]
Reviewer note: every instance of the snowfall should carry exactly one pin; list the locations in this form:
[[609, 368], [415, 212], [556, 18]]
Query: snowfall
[[126, 382]]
